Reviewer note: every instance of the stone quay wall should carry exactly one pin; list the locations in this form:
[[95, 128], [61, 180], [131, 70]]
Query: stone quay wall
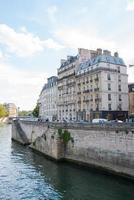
[[107, 146]]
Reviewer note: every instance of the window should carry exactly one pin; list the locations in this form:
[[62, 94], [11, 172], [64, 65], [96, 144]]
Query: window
[[108, 77], [109, 106], [118, 68], [109, 97], [120, 97], [119, 87], [109, 86], [119, 107], [119, 78], [97, 107]]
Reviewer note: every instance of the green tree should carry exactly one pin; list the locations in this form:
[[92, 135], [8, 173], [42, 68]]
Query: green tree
[[25, 113], [3, 111], [36, 111]]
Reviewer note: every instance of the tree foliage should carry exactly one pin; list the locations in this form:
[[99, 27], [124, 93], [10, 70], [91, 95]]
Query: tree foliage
[[3, 111], [64, 135], [36, 111], [25, 113]]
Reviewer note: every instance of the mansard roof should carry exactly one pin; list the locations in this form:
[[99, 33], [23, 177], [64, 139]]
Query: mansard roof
[[102, 58]]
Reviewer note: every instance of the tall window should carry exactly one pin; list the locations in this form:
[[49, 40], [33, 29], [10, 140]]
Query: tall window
[[109, 86], [119, 97], [118, 69], [109, 106], [108, 77], [109, 97], [119, 87], [120, 107], [97, 107], [119, 78]]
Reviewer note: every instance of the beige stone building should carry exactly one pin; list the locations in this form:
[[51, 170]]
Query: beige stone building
[[11, 109], [67, 95], [131, 99], [101, 85], [48, 100]]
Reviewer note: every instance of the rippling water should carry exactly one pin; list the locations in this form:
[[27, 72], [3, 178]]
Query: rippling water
[[27, 175]]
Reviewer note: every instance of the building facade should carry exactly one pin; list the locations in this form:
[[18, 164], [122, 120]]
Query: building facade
[[101, 85], [48, 100], [131, 99], [11, 109], [92, 84], [67, 95]]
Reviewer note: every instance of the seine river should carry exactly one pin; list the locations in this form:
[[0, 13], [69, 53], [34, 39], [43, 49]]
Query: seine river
[[27, 175]]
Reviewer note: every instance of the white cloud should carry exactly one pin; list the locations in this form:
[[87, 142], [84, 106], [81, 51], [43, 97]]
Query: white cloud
[[19, 86], [75, 38], [51, 11], [50, 43], [24, 43], [130, 5]]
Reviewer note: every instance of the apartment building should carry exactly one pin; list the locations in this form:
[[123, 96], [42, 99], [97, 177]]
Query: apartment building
[[92, 84], [48, 100], [67, 95], [102, 87], [131, 99], [11, 109]]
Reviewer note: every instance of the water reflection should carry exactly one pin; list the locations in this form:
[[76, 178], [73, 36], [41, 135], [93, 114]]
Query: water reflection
[[27, 175]]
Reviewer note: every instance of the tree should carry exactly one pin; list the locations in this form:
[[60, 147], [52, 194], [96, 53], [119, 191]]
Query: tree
[[36, 111], [25, 113], [3, 111]]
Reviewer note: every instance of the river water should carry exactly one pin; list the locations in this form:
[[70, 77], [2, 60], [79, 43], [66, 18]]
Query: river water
[[27, 175]]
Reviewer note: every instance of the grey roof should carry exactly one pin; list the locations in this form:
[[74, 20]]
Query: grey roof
[[102, 58], [51, 81], [69, 61]]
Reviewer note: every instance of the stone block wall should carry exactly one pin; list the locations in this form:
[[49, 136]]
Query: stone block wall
[[111, 148]]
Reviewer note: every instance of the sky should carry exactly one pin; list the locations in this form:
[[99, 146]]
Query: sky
[[36, 34]]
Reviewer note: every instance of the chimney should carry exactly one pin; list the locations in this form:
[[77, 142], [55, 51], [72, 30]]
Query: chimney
[[99, 51], [106, 52], [62, 61], [116, 54]]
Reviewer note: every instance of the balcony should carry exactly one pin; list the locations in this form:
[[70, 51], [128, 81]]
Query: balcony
[[96, 89], [96, 79], [86, 91], [78, 92], [71, 83], [97, 99], [86, 101]]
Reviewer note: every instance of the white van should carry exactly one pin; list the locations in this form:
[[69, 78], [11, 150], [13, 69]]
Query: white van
[[99, 121]]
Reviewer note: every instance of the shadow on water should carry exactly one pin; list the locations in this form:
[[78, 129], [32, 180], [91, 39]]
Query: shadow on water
[[72, 182]]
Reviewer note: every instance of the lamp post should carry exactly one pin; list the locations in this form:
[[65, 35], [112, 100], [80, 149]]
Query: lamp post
[[18, 111]]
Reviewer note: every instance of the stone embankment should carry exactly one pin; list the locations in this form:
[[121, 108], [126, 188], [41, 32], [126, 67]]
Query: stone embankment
[[107, 146]]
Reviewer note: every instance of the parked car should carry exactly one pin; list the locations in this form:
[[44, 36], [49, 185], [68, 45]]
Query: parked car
[[99, 121], [115, 121]]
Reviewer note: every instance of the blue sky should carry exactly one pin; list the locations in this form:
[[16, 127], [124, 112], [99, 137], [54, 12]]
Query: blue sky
[[36, 34]]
